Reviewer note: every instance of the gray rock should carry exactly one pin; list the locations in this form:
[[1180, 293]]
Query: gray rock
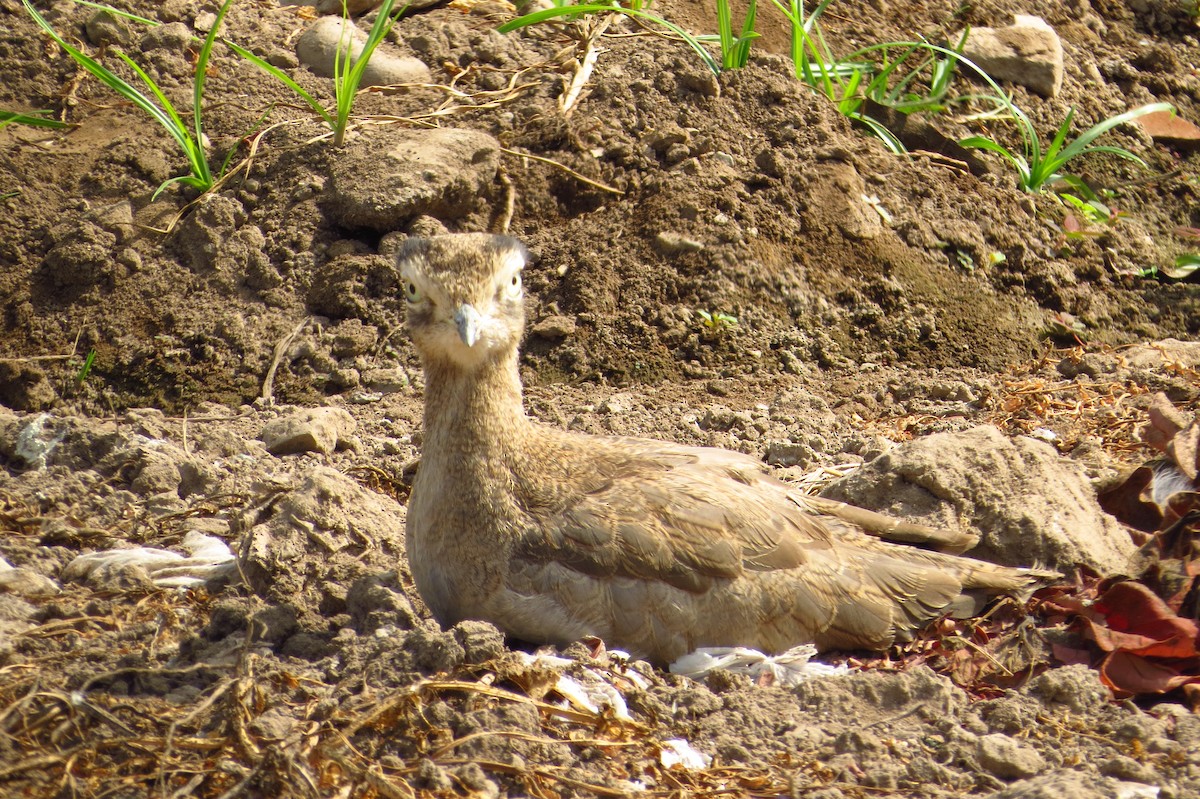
[[1030, 505], [1028, 52], [25, 582], [553, 328], [387, 381], [104, 28], [385, 180], [668, 242], [1058, 785], [312, 430], [318, 46], [1008, 758]]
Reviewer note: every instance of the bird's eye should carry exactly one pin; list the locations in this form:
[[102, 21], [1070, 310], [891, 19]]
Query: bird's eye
[[513, 289], [411, 292]]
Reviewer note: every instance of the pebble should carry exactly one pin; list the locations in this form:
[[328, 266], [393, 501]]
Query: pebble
[[553, 328], [313, 430], [670, 243], [1027, 52], [1007, 758], [392, 177], [318, 45], [25, 582]]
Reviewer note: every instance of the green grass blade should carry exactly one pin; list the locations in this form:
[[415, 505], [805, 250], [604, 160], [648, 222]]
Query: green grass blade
[[346, 82], [116, 12], [600, 8], [198, 88], [748, 34], [1080, 144], [283, 78], [164, 112], [33, 120], [725, 32]]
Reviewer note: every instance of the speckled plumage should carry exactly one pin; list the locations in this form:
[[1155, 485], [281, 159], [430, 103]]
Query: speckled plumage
[[657, 548]]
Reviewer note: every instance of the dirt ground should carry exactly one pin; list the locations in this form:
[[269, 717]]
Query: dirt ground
[[886, 308]]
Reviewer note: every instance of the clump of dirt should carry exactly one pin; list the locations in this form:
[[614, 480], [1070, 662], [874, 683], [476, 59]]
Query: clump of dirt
[[872, 307]]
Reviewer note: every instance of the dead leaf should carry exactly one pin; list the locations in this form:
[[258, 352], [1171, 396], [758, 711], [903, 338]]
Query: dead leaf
[[1128, 674]]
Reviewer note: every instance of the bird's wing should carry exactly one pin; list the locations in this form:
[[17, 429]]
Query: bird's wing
[[696, 520], [676, 514]]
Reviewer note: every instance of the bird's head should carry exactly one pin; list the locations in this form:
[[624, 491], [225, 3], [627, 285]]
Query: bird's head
[[465, 297]]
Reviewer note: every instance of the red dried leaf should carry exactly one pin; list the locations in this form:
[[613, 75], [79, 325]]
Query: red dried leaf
[[1176, 646], [1071, 656], [1131, 607], [1128, 674]]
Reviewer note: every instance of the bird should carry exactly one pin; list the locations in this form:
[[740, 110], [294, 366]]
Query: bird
[[656, 548]]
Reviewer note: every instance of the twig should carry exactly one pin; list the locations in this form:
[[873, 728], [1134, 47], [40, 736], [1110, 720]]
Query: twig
[[583, 178], [510, 200], [570, 98], [268, 389]]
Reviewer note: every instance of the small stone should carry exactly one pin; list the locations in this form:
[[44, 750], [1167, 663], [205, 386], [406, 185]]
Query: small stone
[[1126, 768], [204, 22], [554, 328], [1007, 758], [1167, 127], [1056, 785], [353, 7], [386, 381], [104, 28], [386, 181], [25, 582], [616, 404], [671, 243], [1027, 52], [789, 453], [318, 46], [313, 430]]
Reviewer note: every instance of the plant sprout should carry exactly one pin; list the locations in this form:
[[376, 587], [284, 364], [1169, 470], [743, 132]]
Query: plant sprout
[[716, 321], [34, 119], [1036, 168], [347, 71], [156, 104], [735, 50], [634, 11]]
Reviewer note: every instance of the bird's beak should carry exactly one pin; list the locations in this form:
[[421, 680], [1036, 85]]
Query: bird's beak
[[467, 320]]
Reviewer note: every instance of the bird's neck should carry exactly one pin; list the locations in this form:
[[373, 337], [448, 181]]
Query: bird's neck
[[478, 409]]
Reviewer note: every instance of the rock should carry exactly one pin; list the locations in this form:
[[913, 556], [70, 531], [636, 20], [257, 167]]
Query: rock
[[1027, 52], [104, 28], [313, 430], [382, 182], [318, 46], [789, 453], [386, 381], [36, 440], [1171, 128], [316, 540], [669, 242], [25, 582], [1008, 758], [554, 328], [353, 7], [1057, 785], [1076, 687], [1031, 506]]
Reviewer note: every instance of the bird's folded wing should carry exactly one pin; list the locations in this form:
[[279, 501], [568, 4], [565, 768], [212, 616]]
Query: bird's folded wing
[[667, 516]]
